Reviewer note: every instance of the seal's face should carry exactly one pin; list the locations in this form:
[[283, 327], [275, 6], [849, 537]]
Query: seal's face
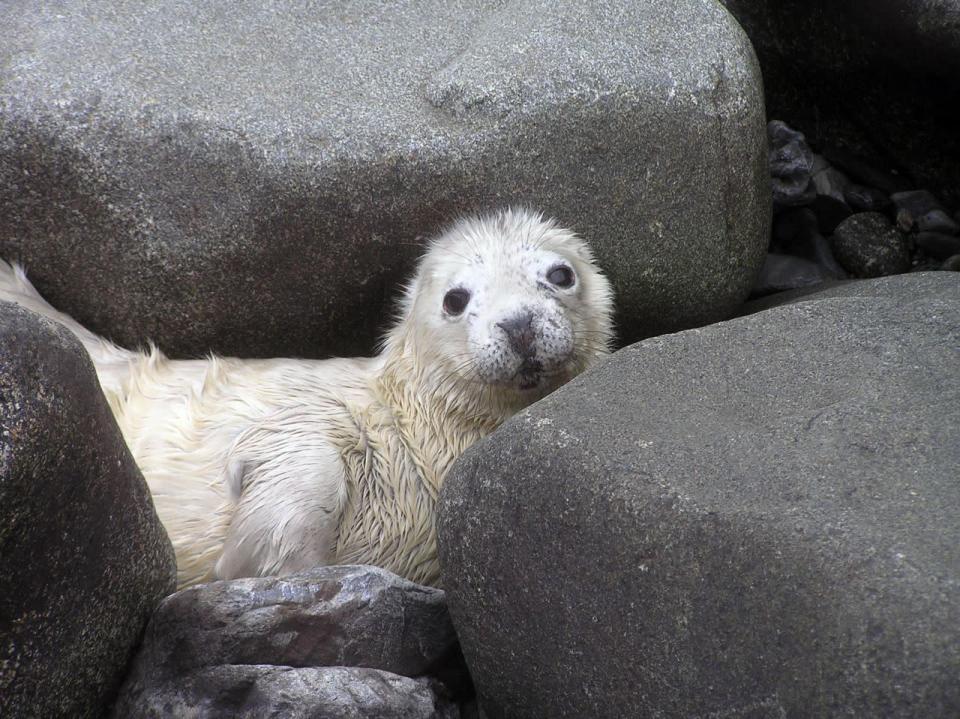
[[510, 301]]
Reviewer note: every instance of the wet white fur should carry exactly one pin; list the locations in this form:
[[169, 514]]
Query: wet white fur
[[264, 467]]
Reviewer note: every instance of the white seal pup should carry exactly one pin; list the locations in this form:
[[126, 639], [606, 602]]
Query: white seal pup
[[262, 467]]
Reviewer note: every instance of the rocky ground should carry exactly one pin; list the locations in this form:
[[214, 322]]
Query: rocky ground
[[848, 219], [750, 518]]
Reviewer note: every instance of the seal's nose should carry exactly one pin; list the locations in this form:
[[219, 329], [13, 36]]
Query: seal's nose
[[519, 331]]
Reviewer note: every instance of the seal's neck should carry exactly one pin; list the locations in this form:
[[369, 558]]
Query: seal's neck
[[425, 392]]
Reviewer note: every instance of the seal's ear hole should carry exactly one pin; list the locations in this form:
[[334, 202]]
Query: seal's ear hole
[[562, 276], [455, 301]]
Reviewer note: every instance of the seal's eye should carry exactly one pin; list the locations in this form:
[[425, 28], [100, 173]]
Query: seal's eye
[[561, 276], [455, 301]]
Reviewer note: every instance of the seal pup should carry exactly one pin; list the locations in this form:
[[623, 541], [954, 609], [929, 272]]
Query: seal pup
[[260, 467]]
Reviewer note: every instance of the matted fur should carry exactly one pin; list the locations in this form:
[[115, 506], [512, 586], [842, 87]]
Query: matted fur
[[264, 467]]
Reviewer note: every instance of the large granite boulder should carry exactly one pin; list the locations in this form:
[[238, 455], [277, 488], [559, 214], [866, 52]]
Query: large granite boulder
[[880, 79], [83, 558], [329, 642], [754, 519], [232, 176]]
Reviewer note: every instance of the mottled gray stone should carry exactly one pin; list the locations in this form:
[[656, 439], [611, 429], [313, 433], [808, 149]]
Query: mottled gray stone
[[753, 519], [339, 616], [83, 558], [791, 163], [329, 616], [867, 245], [251, 691], [236, 176]]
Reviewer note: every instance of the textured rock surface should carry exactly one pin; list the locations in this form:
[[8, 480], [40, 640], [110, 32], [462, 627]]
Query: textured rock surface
[[754, 519], [83, 557], [225, 175], [881, 77], [234, 692], [867, 245], [344, 616]]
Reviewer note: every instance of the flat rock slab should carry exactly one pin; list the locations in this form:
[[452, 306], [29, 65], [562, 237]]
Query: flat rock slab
[[229, 176], [754, 519], [211, 646], [84, 559]]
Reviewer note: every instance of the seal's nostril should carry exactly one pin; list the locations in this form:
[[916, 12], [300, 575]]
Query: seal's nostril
[[519, 331]]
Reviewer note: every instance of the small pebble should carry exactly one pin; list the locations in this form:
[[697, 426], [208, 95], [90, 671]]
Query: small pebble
[[867, 245], [919, 211]]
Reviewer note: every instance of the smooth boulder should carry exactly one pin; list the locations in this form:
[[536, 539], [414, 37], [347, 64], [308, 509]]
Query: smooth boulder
[[753, 519], [258, 181], [84, 559]]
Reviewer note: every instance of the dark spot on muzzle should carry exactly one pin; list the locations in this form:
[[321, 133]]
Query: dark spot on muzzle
[[520, 333]]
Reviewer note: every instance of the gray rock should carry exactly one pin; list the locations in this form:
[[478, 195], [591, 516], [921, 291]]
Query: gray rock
[[235, 692], [353, 616], [919, 211], [339, 616], [867, 245], [83, 558], [937, 245], [753, 519], [791, 163], [227, 176], [786, 272], [924, 286]]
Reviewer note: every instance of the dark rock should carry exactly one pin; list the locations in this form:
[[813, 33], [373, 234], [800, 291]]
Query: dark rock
[[919, 211], [791, 161], [786, 272], [752, 519], [951, 264], [223, 176], [83, 557], [867, 245], [304, 693], [796, 232], [877, 78], [820, 163], [865, 199], [886, 181], [330, 616], [339, 616], [830, 205], [937, 245]]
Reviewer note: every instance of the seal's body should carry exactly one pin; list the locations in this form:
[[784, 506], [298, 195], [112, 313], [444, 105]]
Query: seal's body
[[261, 467]]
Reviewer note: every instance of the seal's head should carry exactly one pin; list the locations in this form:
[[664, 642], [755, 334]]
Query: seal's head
[[508, 301]]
